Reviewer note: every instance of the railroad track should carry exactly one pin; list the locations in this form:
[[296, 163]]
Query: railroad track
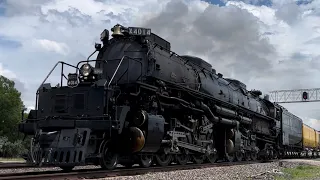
[[14, 165], [98, 173]]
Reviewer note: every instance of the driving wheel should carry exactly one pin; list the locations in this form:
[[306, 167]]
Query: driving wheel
[[239, 156], [182, 158], [253, 156], [198, 159], [163, 159], [109, 159]]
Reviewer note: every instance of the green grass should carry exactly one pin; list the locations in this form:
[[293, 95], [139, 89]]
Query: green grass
[[300, 172], [12, 160]]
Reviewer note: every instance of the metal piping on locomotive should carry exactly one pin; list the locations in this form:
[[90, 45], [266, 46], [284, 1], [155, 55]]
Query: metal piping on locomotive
[[226, 112], [233, 114], [220, 110], [215, 119]]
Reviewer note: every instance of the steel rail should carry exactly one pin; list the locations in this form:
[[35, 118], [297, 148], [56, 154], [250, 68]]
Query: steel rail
[[19, 166], [98, 173], [14, 165]]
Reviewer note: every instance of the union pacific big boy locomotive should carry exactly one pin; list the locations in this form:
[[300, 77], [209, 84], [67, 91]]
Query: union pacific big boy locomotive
[[139, 102]]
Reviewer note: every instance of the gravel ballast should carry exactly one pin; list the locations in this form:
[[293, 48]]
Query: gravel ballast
[[249, 171], [221, 173], [22, 170]]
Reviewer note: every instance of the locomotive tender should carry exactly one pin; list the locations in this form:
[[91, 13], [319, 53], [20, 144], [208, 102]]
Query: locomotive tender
[[142, 103]]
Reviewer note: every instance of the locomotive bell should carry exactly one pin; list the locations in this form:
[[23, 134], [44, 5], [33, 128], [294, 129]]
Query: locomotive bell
[[116, 31]]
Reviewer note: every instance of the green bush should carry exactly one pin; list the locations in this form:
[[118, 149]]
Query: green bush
[[3, 141], [11, 149]]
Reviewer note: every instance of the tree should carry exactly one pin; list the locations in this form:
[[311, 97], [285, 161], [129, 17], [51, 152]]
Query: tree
[[10, 109]]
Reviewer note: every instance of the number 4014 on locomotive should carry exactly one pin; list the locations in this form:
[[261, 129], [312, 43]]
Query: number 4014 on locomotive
[[139, 102]]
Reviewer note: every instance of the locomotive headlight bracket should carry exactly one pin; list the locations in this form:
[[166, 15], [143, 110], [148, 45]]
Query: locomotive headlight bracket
[[85, 70]]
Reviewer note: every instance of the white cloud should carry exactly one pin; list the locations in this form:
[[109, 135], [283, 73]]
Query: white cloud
[[314, 123], [267, 48], [282, 61], [296, 42], [48, 45], [6, 72]]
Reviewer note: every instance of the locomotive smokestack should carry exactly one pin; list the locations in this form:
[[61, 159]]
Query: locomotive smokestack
[[104, 36]]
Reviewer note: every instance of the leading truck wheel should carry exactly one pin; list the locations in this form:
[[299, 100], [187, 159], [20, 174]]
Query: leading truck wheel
[[109, 159], [145, 160]]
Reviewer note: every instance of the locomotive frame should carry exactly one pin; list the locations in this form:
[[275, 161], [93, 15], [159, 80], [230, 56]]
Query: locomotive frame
[[152, 106]]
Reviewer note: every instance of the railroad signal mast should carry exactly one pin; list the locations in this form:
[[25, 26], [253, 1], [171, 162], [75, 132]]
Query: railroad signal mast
[[295, 96]]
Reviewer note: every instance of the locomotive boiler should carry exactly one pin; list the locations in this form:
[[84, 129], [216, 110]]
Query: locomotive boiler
[[139, 102]]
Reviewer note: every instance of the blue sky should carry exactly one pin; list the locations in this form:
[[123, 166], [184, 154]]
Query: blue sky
[[257, 2], [217, 2], [2, 7], [253, 2], [7, 43], [245, 40]]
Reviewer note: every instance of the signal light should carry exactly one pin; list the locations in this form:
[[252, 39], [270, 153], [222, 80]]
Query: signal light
[[305, 95]]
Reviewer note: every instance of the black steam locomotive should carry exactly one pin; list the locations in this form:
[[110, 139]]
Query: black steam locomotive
[[139, 102]]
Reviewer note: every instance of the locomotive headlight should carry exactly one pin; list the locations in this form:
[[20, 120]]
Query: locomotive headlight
[[86, 69]]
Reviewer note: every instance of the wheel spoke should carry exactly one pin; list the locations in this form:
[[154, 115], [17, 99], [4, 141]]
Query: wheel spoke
[[212, 158], [198, 159], [230, 157], [163, 159], [247, 156], [239, 156], [253, 156], [109, 159], [182, 159], [145, 160]]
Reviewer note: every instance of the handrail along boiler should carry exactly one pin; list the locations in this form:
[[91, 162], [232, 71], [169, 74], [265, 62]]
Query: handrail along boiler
[[142, 103]]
